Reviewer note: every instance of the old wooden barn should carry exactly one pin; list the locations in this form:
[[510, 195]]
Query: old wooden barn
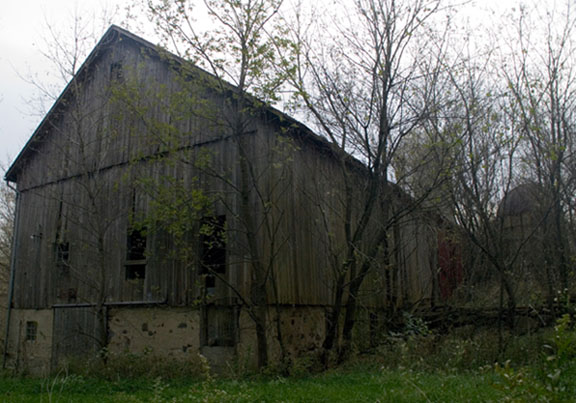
[[145, 225]]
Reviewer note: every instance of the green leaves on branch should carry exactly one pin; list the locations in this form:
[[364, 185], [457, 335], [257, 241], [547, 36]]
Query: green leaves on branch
[[175, 206], [238, 47]]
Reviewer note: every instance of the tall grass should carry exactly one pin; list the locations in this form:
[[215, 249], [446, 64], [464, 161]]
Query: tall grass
[[467, 365]]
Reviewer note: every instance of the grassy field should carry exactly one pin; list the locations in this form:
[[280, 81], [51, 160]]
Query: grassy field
[[337, 386], [362, 383], [540, 367]]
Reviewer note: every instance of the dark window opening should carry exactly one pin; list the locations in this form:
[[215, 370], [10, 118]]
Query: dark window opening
[[219, 326], [31, 330], [63, 255], [213, 245], [116, 72], [61, 247], [63, 252], [136, 254], [135, 271], [136, 244], [212, 250], [210, 285]]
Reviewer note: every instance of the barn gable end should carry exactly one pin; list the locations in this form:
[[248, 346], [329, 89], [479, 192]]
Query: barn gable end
[[91, 265]]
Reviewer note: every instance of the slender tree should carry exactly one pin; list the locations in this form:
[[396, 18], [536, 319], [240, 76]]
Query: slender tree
[[237, 52], [7, 200], [540, 72], [368, 88]]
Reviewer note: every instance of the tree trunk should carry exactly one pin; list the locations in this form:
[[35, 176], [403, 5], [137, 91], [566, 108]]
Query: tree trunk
[[258, 293], [332, 322], [349, 321], [559, 245], [261, 337], [354, 289], [511, 299], [101, 313]]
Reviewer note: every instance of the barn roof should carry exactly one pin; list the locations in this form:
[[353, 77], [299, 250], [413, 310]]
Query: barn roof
[[112, 36]]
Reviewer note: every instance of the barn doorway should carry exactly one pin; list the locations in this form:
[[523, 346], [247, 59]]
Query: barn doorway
[[78, 332]]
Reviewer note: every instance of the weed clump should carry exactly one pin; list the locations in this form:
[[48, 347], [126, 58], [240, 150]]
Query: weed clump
[[133, 366]]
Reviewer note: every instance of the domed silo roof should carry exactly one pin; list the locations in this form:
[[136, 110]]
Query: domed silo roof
[[520, 200]]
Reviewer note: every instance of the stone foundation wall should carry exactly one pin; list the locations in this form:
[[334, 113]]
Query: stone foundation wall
[[162, 331], [176, 332], [170, 332], [302, 330], [30, 351]]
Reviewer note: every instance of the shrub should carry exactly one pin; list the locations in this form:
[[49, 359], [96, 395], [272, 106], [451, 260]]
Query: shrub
[[132, 366]]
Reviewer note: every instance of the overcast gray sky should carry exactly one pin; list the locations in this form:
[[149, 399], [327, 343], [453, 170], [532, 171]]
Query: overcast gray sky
[[23, 32], [18, 28]]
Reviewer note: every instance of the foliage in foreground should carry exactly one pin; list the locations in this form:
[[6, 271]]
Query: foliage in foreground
[[537, 367], [342, 385]]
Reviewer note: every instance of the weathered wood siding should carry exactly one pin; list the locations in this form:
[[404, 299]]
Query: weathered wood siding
[[148, 122], [76, 333]]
